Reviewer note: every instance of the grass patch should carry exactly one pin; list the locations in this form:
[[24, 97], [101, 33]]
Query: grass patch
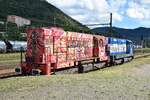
[[109, 83], [141, 51], [34, 82], [9, 56], [9, 60]]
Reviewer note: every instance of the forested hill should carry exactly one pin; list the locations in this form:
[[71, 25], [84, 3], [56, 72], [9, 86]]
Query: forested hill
[[40, 12], [135, 35]]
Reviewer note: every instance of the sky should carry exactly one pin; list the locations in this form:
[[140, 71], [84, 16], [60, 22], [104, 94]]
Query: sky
[[126, 13]]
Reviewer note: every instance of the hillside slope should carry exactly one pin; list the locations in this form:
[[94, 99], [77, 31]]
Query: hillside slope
[[40, 12], [136, 35]]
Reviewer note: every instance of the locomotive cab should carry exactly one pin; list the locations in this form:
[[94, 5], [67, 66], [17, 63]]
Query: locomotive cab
[[36, 55]]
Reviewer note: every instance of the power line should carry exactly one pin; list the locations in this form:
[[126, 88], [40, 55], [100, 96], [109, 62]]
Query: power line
[[96, 24], [110, 24], [110, 30]]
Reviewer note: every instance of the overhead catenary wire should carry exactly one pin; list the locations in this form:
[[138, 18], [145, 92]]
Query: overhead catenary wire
[[96, 24]]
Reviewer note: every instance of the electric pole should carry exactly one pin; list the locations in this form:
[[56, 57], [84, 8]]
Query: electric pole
[[142, 43], [54, 21], [6, 29], [110, 29]]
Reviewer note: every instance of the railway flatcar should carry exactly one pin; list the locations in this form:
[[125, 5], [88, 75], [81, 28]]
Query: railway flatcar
[[53, 49], [2, 47], [16, 46]]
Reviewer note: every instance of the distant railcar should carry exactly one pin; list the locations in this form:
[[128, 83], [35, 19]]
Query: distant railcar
[[16, 46], [2, 47]]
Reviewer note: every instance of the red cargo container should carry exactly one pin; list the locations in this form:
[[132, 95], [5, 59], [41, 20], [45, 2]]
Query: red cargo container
[[53, 48]]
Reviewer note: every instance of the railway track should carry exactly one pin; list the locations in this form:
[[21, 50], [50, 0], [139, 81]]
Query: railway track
[[7, 73], [141, 56]]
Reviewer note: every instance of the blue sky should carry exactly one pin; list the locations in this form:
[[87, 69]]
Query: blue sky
[[126, 13]]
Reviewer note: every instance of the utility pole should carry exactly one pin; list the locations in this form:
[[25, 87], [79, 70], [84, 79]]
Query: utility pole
[[142, 43], [110, 29], [5, 29], [54, 21]]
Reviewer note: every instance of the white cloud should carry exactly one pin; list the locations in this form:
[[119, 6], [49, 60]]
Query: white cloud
[[117, 16], [62, 3], [131, 12], [91, 11], [97, 11], [145, 1], [115, 5], [139, 10]]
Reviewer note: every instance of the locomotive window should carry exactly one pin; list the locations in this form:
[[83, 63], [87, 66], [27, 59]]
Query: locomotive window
[[128, 45]]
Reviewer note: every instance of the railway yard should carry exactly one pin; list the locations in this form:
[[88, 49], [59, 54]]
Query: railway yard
[[8, 62], [129, 81], [60, 50]]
